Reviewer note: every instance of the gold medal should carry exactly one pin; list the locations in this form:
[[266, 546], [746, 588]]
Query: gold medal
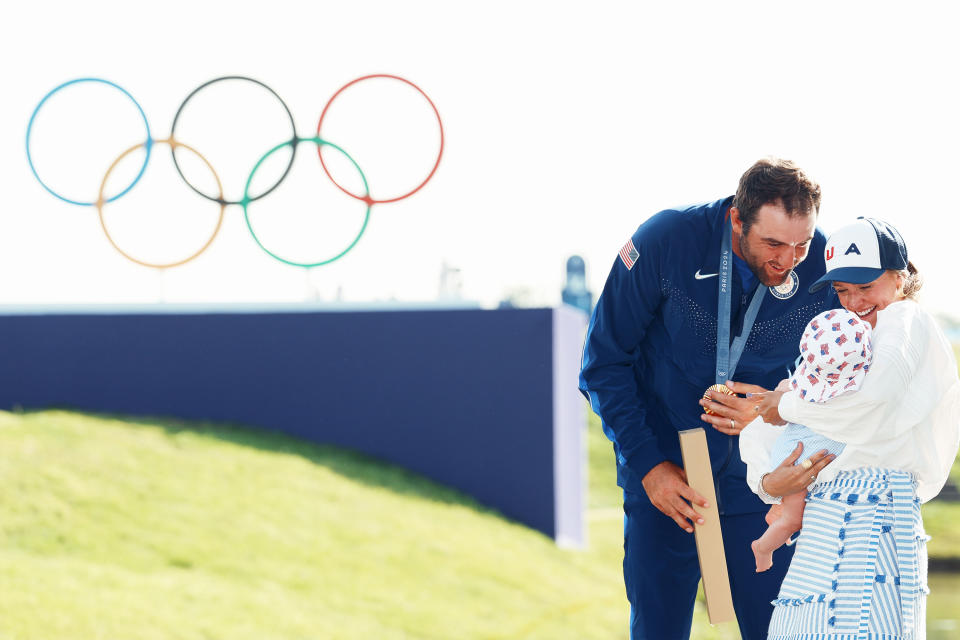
[[719, 388]]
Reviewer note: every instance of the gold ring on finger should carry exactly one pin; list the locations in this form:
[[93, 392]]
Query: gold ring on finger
[[806, 464]]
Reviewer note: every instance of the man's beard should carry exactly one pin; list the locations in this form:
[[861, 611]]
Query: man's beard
[[757, 267]]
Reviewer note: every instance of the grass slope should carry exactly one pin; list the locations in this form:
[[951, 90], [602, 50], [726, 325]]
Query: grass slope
[[158, 529], [129, 529]]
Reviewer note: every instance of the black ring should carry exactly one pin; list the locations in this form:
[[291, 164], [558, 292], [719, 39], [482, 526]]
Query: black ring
[[173, 130]]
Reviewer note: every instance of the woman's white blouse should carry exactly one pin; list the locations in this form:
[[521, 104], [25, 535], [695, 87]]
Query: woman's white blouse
[[905, 416]]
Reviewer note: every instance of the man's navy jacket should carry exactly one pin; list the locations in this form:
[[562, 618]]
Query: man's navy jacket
[[651, 347]]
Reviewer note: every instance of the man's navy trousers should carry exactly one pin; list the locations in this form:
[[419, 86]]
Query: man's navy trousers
[[661, 572]]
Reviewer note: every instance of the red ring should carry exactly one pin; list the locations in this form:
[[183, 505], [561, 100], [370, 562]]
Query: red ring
[[369, 200]]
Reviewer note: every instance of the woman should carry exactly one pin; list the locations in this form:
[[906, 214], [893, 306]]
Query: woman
[[859, 570]]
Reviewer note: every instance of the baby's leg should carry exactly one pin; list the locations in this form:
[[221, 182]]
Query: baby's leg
[[780, 531], [773, 514]]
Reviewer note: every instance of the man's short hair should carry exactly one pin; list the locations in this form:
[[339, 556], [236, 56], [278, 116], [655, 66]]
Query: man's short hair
[[775, 181]]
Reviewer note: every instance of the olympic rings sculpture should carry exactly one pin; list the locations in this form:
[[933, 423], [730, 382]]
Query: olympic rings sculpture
[[293, 142]]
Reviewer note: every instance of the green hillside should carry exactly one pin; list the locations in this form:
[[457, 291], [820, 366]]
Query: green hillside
[[130, 529], [127, 529]]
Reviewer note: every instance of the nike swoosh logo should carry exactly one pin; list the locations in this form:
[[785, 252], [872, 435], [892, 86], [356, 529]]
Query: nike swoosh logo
[[702, 276]]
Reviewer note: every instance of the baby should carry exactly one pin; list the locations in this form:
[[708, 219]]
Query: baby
[[835, 355]]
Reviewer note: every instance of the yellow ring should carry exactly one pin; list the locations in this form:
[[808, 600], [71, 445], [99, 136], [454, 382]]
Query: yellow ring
[[101, 201], [806, 464]]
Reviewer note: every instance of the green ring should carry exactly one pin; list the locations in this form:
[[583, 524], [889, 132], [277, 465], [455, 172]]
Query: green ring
[[246, 201]]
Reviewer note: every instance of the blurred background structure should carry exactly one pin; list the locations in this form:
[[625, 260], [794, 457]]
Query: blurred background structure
[[478, 400], [575, 292]]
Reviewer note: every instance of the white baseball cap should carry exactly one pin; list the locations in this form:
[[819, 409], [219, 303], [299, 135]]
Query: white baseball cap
[[861, 251]]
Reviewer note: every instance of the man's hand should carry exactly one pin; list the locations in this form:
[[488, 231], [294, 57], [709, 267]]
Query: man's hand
[[732, 413], [666, 486], [789, 478]]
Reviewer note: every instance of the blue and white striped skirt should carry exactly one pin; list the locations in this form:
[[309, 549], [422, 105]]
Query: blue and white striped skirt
[[860, 568]]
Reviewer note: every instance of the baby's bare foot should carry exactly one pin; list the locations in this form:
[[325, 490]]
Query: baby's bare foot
[[764, 559]]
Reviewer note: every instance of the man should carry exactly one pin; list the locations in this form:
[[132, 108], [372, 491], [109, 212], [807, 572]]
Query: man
[[729, 273]]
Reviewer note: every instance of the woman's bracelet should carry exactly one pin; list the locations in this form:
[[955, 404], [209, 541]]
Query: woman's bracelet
[[764, 494]]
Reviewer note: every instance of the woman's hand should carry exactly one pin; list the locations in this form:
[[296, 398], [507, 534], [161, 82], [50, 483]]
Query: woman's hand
[[768, 406], [789, 478]]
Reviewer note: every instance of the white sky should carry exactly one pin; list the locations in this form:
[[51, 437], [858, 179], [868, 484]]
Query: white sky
[[566, 126]]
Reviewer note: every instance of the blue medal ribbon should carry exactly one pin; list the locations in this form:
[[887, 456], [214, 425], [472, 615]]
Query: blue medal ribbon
[[728, 355]]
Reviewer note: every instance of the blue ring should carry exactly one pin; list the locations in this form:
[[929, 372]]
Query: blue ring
[[148, 144]]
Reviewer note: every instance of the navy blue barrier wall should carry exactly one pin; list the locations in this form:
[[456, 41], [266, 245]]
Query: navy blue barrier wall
[[484, 401]]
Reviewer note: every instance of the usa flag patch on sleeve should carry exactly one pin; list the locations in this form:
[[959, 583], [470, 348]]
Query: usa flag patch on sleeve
[[629, 254]]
